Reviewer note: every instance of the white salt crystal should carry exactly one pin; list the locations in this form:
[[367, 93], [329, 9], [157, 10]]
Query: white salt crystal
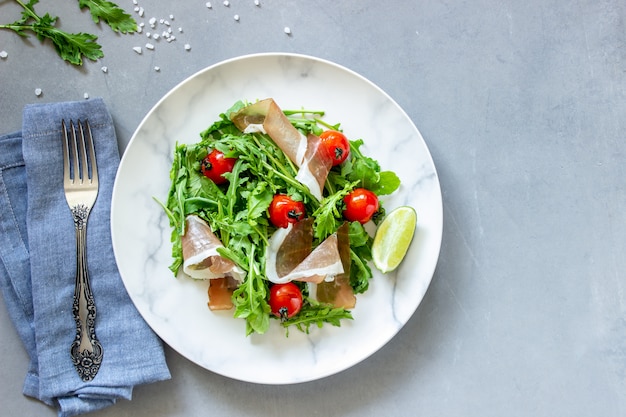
[[136, 8], [257, 3], [171, 17], [4, 54], [208, 5], [180, 30], [226, 3], [86, 96], [187, 47], [137, 49], [37, 92], [141, 12], [287, 30], [157, 69], [236, 17], [156, 36], [104, 69], [149, 46]]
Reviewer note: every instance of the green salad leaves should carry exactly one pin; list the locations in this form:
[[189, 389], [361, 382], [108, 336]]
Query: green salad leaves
[[237, 211], [72, 47]]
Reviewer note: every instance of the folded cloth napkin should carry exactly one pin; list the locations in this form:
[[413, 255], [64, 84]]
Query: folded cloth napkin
[[38, 253]]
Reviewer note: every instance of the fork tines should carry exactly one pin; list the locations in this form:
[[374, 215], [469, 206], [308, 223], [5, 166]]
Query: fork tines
[[78, 152]]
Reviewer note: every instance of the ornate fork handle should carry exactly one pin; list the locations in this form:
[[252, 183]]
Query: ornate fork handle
[[86, 350]]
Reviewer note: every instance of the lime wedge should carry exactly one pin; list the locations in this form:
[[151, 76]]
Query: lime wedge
[[393, 237]]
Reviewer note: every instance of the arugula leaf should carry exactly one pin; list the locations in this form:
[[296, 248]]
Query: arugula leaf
[[250, 299], [111, 14], [314, 313]]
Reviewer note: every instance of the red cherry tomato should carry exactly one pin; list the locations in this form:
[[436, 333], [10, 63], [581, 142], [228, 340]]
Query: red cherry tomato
[[361, 204], [336, 145], [215, 164], [283, 210], [285, 300]]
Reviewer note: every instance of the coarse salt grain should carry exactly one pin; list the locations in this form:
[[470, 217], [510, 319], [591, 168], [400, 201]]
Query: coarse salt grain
[[149, 46], [157, 69], [141, 12], [208, 5], [156, 36], [86, 96], [257, 3], [287, 30], [136, 8], [152, 21], [4, 54], [187, 47], [37, 92], [171, 17], [137, 49], [236, 17], [226, 3], [180, 30], [105, 69]]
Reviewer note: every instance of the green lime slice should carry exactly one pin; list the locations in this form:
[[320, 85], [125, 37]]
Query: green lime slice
[[393, 237]]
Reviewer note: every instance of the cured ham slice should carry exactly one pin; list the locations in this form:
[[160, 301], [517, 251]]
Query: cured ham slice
[[200, 257], [289, 246], [202, 261], [339, 292], [221, 293], [265, 116], [304, 151], [315, 166]]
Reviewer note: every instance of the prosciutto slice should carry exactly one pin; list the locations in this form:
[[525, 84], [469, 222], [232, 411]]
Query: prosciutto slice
[[339, 292], [287, 258], [304, 151], [200, 257]]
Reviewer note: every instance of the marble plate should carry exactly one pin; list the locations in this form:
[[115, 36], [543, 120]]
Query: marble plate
[[177, 308]]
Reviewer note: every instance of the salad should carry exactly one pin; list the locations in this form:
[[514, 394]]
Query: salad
[[270, 206]]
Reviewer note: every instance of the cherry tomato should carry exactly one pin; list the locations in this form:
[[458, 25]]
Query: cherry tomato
[[283, 210], [336, 145], [361, 204], [285, 300], [215, 164]]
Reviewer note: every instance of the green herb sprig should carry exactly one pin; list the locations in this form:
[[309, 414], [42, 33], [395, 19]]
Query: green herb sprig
[[72, 47]]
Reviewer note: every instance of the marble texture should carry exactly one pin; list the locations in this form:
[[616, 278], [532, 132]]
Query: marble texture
[[177, 308]]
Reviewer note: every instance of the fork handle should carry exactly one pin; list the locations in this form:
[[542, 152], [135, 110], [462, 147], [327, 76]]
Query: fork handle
[[86, 350]]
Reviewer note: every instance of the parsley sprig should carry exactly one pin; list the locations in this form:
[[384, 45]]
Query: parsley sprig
[[72, 47]]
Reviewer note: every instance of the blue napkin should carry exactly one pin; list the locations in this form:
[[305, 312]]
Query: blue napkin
[[37, 249]]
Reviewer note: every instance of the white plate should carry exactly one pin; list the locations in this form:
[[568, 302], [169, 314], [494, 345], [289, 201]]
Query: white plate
[[177, 308]]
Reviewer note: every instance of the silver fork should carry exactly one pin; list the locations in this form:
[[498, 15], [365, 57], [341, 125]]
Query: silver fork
[[80, 182]]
